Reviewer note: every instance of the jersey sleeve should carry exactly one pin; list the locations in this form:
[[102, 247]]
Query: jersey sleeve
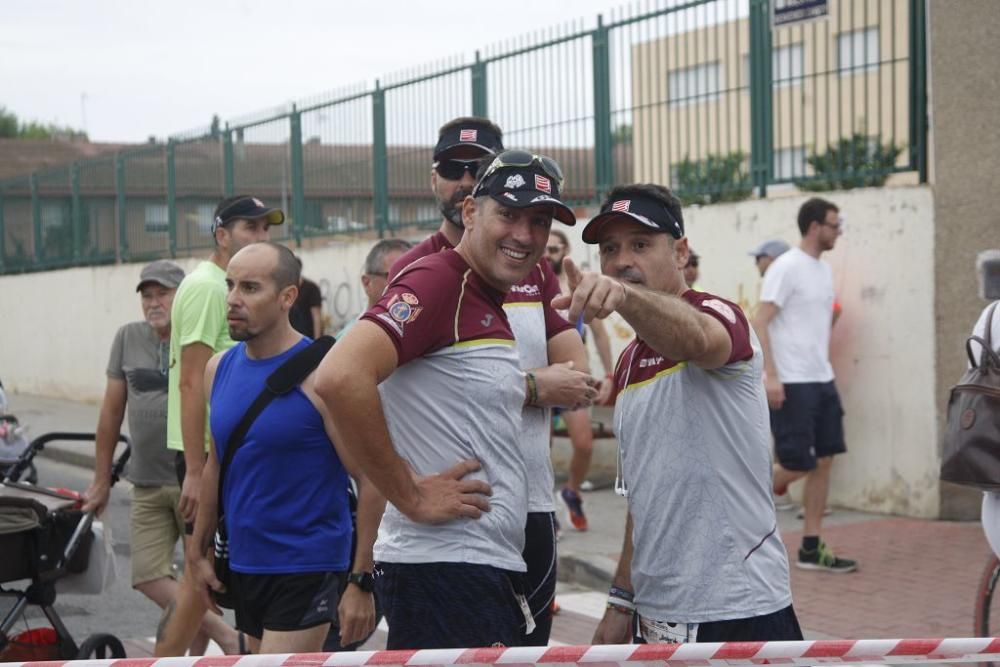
[[777, 285], [202, 311], [554, 322], [116, 358], [418, 312], [731, 317]]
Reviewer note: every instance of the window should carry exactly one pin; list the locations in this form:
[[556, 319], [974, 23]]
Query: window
[[201, 219], [858, 51], [157, 219], [693, 85], [789, 163], [787, 65]]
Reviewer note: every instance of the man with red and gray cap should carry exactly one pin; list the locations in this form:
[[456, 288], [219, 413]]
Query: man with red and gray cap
[[702, 558], [553, 353], [428, 394], [199, 331]]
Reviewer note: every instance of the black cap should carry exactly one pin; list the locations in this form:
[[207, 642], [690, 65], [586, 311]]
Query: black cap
[[248, 208], [638, 208], [475, 133], [522, 187]]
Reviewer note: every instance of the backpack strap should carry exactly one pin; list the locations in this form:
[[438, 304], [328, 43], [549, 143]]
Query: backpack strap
[[283, 380], [987, 353]]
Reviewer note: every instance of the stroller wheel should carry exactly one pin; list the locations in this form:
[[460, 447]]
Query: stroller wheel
[[101, 646]]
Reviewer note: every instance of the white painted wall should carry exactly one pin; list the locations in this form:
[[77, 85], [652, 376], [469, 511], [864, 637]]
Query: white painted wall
[[55, 327]]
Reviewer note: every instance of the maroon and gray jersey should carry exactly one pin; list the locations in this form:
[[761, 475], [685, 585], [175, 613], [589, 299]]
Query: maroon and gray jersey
[[534, 322], [434, 243], [457, 393], [696, 461]]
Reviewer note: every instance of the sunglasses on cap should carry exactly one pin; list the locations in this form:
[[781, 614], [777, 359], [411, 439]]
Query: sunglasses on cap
[[454, 170], [525, 159]]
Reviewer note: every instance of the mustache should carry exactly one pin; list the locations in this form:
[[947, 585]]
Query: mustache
[[630, 274]]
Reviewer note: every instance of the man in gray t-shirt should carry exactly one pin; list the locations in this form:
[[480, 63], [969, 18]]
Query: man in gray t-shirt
[[137, 384], [702, 559]]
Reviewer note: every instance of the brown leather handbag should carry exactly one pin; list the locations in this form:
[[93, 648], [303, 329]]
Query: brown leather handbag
[[970, 453]]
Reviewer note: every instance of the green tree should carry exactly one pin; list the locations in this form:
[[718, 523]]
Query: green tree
[[8, 123], [717, 178], [13, 128], [855, 162], [621, 134]]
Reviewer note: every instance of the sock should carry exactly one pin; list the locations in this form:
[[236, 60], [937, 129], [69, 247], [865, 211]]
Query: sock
[[810, 542]]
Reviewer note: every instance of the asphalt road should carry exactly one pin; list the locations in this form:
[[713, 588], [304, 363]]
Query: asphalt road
[[120, 610]]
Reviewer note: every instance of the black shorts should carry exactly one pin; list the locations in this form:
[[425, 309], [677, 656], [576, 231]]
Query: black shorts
[[808, 426], [540, 580], [285, 602], [449, 605], [782, 625]]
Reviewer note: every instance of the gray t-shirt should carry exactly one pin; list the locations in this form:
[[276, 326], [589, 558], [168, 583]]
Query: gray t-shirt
[[140, 357], [696, 462]]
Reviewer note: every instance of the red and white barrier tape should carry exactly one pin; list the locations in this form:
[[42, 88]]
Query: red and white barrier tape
[[885, 651]]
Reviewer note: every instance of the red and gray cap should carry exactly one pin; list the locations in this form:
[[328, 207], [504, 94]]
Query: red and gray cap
[[248, 208], [646, 211], [162, 272]]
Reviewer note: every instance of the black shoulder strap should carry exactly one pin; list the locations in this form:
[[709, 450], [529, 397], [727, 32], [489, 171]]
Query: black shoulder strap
[[288, 376]]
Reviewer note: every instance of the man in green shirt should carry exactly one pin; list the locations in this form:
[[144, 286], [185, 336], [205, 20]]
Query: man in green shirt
[[199, 330]]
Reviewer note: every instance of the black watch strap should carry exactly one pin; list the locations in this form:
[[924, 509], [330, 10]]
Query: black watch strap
[[363, 580]]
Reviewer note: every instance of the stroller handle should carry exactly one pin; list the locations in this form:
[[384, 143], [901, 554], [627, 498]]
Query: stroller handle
[[38, 444]]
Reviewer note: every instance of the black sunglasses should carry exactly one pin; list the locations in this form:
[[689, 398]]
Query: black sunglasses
[[525, 159], [454, 170]]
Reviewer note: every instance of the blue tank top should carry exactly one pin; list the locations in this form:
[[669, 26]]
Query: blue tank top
[[285, 492]]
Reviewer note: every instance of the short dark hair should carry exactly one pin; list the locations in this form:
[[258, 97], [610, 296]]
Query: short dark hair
[[463, 121], [287, 270], [812, 211], [375, 257], [652, 191], [561, 235]]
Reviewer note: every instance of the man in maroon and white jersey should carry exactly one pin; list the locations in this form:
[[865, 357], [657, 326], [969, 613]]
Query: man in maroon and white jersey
[[555, 357], [427, 393], [702, 559]]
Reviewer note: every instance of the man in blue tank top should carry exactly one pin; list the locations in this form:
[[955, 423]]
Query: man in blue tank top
[[285, 492]]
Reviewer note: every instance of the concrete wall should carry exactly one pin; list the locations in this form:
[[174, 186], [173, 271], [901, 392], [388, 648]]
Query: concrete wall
[[964, 66], [58, 325]]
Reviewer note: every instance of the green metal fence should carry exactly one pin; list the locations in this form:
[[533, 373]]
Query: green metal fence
[[703, 95]]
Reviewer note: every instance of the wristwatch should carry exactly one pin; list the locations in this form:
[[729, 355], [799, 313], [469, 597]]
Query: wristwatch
[[363, 580]]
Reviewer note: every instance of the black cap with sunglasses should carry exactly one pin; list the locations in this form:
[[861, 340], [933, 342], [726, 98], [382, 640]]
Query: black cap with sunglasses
[[520, 179], [644, 210]]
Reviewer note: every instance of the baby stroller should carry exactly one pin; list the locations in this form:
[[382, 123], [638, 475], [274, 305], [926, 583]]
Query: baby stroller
[[44, 538], [13, 442]]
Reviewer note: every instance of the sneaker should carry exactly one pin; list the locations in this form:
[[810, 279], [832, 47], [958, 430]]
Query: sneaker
[[574, 508], [802, 512], [783, 503], [824, 560], [587, 486]]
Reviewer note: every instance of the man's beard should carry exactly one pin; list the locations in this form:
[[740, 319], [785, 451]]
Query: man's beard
[[451, 209]]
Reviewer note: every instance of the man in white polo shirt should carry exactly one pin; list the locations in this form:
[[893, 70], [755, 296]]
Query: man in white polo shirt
[[702, 559], [793, 321]]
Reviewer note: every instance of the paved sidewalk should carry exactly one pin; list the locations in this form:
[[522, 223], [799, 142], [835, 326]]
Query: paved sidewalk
[[917, 578]]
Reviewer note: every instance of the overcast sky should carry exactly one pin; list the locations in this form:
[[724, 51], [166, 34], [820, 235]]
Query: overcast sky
[[159, 68]]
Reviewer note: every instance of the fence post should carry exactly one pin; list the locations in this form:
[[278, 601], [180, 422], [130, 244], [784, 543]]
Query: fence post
[[479, 91], [227, 163], [36, 219], [120, 217], [380, 161], [3, 236], [298, 184], [761, 148], [172, 197], [76, 213], [603, 159], [918, 89]]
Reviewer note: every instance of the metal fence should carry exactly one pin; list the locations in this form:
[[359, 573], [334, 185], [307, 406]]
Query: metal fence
[[705, 96]]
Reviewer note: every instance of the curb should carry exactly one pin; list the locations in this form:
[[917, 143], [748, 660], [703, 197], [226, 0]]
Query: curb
[[576, 570], [72, 456]]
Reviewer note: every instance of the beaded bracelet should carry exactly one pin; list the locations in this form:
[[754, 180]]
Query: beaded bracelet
[[532, 388]]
